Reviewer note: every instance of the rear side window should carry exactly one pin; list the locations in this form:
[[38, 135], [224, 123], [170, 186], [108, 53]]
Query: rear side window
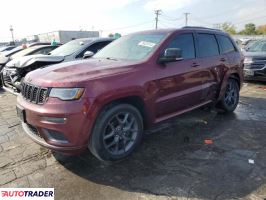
[[226, 44], [185, 42], [207, 45]]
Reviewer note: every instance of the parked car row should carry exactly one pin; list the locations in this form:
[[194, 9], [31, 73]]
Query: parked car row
[[16, 66], [19, 52], [255, 61], [106, 102]]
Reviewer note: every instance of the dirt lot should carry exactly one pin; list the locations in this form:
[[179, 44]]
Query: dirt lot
[[172, 163]]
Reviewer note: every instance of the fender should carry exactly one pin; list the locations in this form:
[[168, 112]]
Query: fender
[[97, 104], [230, 74]]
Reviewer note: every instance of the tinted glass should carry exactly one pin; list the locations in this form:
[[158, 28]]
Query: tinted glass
[[259, 46], [44, 51], [94, 48], [185, 42], [132, 47], [207, 45], [226, 44], [69, 48]]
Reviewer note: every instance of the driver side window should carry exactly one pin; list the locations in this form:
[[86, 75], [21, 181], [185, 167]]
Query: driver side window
[[185, 42]]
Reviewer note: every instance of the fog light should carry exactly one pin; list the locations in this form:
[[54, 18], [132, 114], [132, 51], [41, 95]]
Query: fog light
[[55, 136], [58, 120]]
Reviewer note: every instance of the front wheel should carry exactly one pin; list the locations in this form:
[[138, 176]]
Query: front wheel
[[231, 96], [116, 133]]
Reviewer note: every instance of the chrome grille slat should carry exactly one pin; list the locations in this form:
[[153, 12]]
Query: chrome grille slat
[[33, 93]]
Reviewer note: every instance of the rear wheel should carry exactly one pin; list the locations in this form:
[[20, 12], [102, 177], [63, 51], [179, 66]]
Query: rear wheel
[[231, 96], [1, 83], [116, 133]]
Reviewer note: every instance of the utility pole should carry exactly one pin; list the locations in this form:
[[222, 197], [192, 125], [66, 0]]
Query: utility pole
[[157, 13], [11, 30], [186, 17]]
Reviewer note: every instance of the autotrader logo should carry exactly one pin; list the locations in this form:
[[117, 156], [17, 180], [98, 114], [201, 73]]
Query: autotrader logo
[[27, 193]]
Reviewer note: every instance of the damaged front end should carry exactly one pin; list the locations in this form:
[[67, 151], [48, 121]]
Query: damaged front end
[[14, 72], [12, 78]]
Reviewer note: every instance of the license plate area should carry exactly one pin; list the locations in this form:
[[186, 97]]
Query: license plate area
[[21, 114], [249, 73]]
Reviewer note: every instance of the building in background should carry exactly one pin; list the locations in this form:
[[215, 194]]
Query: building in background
[[59, 36], [66, 36]]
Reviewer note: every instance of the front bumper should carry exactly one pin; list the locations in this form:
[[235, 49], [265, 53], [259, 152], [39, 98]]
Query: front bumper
[[57, 125], [251, 73]]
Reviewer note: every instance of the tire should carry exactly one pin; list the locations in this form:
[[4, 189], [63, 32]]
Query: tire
[[1, 84], [230, 99], [116, 133]]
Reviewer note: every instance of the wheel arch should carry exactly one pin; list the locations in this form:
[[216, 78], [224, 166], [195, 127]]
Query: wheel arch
[[230, 74], [134, 100]]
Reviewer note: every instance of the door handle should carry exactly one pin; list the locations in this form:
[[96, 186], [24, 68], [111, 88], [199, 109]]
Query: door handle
[[195, 65], [223, 59]]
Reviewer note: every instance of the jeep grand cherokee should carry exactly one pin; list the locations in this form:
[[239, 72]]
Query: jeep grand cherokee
[[106, 102]]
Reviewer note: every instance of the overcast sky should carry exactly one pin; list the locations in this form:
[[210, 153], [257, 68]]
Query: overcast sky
[[29, 17]]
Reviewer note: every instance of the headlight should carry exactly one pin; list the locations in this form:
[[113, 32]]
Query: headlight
[[248, 60], [66, 94]]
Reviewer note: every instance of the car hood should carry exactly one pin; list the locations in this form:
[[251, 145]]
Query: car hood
[[26, 61], [254, 54], [3, 59], [77, 73]]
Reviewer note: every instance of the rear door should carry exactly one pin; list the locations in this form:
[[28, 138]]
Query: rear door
[[179, 82], [228, 50], [211, 64]]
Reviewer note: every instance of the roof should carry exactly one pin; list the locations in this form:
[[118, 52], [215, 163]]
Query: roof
[[93, 39], [168, 31]]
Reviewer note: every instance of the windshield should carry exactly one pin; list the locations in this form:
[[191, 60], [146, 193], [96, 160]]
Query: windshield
[[131, 47], [11, 52], [22, 53], [69, 48], [259, 46]]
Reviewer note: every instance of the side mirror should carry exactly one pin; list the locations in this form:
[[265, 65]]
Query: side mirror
[[171, 55], [88, 54]]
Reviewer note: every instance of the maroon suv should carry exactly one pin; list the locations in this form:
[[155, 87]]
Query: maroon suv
[[106, 102]]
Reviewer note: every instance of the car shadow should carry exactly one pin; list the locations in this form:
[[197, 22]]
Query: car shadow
[[174, 159]]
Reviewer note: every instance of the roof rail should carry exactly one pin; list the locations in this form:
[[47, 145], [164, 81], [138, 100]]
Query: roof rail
[[201, 27]]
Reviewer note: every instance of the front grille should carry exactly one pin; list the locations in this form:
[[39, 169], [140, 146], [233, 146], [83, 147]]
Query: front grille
[[254, 66], [7, 79], [33, 93]]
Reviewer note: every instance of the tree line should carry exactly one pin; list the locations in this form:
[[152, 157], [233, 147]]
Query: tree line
[[249, 29]]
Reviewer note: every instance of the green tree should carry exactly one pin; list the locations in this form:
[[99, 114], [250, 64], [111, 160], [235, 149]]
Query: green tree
[[229, 28], [250, 29]]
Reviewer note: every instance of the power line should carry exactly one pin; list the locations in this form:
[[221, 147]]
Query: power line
[[157, 13], [167, 17]]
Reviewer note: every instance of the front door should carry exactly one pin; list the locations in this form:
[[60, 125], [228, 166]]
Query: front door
[[179, 82]]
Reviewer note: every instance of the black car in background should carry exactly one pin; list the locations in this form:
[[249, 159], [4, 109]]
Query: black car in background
[[15, 70], [255, 61], [20, 52]]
